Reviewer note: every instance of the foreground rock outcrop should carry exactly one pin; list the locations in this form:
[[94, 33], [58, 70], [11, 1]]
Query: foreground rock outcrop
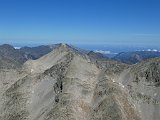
[[67, 84]]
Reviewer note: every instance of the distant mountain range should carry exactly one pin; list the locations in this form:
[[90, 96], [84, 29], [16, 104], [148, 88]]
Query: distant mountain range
[[11, 57], [135, 57]]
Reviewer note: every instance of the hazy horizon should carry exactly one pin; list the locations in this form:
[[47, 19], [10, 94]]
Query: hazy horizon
[[111, 49]]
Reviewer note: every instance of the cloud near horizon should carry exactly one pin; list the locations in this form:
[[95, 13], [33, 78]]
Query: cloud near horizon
[[104, 52]]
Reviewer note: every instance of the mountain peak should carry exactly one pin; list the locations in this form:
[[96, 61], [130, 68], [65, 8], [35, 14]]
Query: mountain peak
[[63, 44], [91, 87], [70, 48], [6, 46]]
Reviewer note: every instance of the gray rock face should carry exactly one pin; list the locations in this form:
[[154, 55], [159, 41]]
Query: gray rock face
[[66, 84], [142, 81]]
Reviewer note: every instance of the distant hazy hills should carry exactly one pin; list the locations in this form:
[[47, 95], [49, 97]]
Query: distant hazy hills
[[135, 57], [36, 52], [12, 58]]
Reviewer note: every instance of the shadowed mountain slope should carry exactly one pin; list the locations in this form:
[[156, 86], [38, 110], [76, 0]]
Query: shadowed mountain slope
[[11, 57], [14, 58], [39, 51]]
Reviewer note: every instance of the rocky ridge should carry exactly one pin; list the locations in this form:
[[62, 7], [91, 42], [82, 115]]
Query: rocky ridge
[[67, 84]]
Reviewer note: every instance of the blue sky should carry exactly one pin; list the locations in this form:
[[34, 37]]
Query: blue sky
[[80, 21]]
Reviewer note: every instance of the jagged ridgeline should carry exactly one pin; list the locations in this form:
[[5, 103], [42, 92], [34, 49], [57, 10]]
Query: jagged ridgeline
[[67, 83]]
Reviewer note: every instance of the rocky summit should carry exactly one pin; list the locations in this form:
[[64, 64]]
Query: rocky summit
[[69, 84]]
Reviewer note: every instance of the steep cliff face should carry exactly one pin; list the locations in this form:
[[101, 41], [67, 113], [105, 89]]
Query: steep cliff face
[[66, 84]]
